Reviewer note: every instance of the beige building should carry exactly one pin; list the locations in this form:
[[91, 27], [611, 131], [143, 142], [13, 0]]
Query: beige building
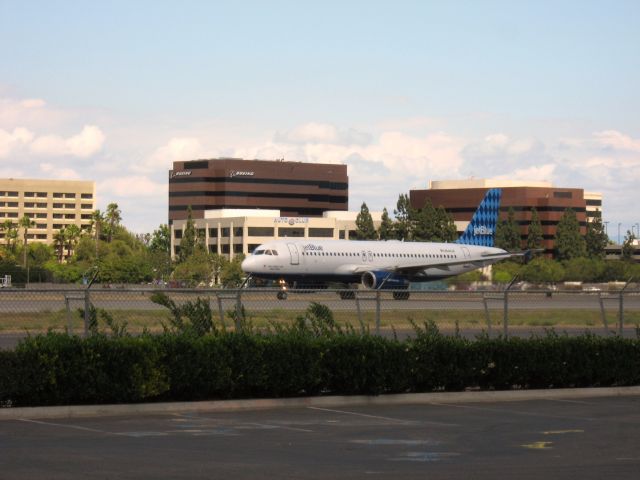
[[51, 204], [239, 231]]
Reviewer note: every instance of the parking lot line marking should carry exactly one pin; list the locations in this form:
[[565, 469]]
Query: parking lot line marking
[[75, 427], [396, 420], [514, 412], [282, 427]]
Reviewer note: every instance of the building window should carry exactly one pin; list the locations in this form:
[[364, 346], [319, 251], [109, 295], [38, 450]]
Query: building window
[[225, 233], [29, 194], [86, 206], [70, 216], [321, 232], [69, 195], [562, 194], [237, 248], [213, 249], [261, 231], [177, 234], [29, 205], [86, 196], [57, 226], [253, 246], [11, 194], [213, 233], [225, 248], [237, 232], [69, 205], [41, 236], [58, 205], [290, 232], [58, 215], [41, 194], [41, 225], [57, 195], [86, 216], [41, 205]]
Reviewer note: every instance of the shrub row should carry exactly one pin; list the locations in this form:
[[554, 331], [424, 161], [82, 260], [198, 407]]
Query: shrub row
[[59, 369]]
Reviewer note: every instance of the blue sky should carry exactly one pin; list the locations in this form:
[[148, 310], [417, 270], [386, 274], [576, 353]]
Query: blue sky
[[403, 92]]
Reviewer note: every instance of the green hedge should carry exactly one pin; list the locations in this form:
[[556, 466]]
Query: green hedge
[[59, 369]]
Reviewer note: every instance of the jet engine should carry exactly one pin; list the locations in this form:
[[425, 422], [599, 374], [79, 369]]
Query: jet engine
[[383, 280]]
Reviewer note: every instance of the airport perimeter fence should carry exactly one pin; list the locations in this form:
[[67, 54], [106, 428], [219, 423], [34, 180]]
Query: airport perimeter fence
[[386, 312]]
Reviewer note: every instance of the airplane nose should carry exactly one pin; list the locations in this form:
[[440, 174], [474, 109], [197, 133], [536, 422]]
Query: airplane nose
[[246, 264]]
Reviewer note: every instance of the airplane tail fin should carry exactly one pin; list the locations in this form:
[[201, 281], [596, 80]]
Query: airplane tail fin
[[482, 227]]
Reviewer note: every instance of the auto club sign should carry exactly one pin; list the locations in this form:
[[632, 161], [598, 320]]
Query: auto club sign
[[291, 220]]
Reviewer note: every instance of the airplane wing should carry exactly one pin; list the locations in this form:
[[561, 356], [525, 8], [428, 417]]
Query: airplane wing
[[412, 269]]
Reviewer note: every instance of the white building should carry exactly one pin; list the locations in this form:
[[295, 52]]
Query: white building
[[239, 231]]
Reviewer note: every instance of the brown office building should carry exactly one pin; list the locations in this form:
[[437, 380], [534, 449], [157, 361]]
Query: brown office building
[[296, 189], [461, 198]]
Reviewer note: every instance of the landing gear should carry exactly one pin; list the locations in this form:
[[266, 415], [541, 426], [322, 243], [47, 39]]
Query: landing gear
[[401, 295], [282, 295], [347, 294]]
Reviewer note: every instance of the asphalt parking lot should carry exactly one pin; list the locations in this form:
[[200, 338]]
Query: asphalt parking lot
[[579, 438]]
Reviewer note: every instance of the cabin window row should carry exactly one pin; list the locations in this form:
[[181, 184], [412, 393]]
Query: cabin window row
[[381, 255]]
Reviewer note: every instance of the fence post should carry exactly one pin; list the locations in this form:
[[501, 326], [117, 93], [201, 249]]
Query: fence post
[[505, 319], [603, 313], [487, 314], [87, 306], [220, 309], [377, 312], [238, 311], [358, 308]]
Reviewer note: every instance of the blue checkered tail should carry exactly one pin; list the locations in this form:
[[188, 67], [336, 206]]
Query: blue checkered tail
[[482, 228]]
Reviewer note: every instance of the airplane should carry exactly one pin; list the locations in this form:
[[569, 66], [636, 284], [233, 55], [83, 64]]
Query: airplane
[[380, 264]]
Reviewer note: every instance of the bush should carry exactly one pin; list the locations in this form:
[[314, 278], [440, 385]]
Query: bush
[[60, 369]]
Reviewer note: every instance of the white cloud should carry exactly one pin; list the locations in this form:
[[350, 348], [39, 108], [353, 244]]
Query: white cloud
[[124, 186], [12, 141], [85, 144], [177, 149], [617, 141], [537, 173], [322, 133], [58, 172]]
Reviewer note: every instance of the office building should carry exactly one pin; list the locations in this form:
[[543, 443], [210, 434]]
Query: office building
[[296, 189], [461, 198], [51, 204]]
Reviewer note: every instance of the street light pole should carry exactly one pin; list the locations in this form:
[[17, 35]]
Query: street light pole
[[619, 224]]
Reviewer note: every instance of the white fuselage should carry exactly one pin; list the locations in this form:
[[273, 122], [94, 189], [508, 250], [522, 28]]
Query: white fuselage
[[347, 260]]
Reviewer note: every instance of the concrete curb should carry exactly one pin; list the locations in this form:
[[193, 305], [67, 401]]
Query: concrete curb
[[337, 401]]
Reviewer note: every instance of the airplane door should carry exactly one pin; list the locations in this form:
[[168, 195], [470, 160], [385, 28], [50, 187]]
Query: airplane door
[[465, 251], [293, 251]]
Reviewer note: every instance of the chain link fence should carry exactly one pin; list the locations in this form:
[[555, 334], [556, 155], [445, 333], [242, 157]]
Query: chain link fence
[[386, 312]]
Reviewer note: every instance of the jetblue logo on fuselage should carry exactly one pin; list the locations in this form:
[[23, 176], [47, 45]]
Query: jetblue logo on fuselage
[[482, 230]]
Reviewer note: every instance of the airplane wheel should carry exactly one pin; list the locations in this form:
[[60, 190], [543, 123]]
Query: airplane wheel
[[401, 295], [282, 295]]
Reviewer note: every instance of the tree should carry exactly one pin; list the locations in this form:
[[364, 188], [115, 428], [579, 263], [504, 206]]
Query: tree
[[11, 234], [161, 239], [534, 237], [627, 246], [26, 223], [189, 238], [508, 233], [596, 239], [232, 273], [364, 225], [72, 234], [113, 218], [402, 213], [425, 224], [569, 243], [59, 241], [385, 232], [447, 231], [97, 221], [542, 270]]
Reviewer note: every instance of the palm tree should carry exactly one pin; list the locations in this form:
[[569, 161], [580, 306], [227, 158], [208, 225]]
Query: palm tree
[[11, 232], [97, 219], [113, 219], [72, 234], [26, 223], [59, 240]]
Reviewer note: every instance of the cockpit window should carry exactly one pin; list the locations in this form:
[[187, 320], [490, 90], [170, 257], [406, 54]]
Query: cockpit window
[[258, 252], [275, 252], [268, 252]]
